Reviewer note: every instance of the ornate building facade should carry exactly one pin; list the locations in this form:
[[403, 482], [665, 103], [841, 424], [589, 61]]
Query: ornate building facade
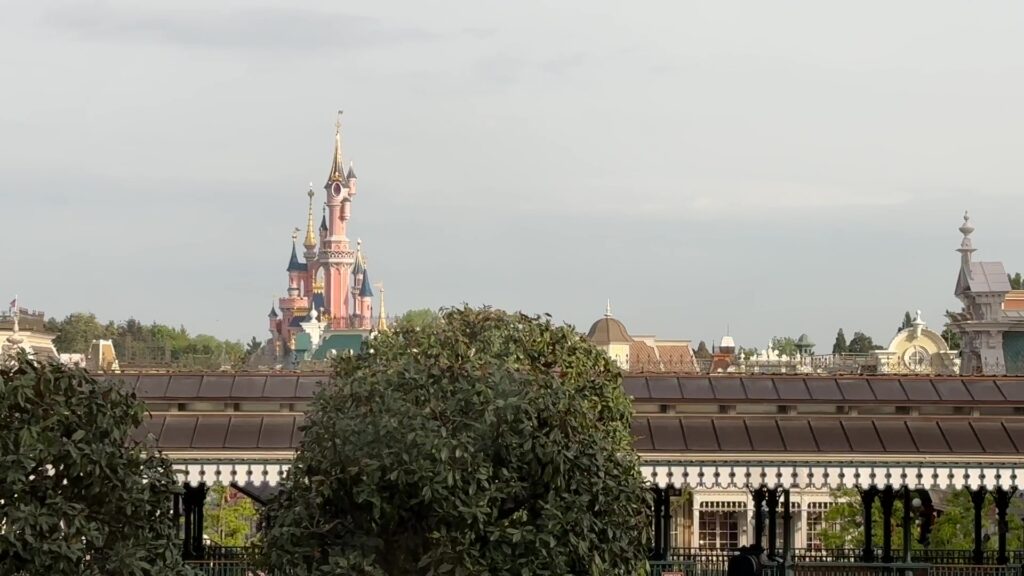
[[328, 307], [991, 323]]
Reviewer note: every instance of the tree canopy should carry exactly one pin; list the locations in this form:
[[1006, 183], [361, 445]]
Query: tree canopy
[[138, 342], [953, 530], [486, 443], [785, 346], [861, 343], [419, 317], [77, 494], [840, 346]]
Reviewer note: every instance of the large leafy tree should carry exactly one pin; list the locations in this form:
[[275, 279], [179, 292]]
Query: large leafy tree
[[77, 494], [861, 343], [420, 317], [483, 443]]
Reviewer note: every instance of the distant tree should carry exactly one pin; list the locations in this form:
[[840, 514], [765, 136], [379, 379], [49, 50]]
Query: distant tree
[[77, 494], [485, 443], [1016, 281], [908, 322], [953, 530], [840, 346], [861, 344], [420, 318], [253, 347], [230, 518], [951, 336], [702, 351], [134, 341], [785, 346], [76, 332]]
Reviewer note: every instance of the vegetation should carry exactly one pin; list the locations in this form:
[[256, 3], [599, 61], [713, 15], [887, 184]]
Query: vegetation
[[229, 518], [861, 343], [908, 322], [421, 318], [486, 443], [77, 494], [1016, 281], [702, 352], [953, 530], [785, 346], [135, 341], [840, 346], [951, 337]]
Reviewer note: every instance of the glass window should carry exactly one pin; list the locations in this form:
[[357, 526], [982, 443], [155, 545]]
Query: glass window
[[719, 526], [815, 522]]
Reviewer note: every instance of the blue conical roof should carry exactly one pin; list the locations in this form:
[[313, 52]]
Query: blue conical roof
[[294, 265], [366, 290]]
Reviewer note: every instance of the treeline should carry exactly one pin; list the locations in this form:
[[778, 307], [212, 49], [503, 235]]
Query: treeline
[[136, 342]]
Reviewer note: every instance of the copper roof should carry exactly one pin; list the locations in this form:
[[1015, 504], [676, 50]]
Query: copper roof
[[829, 435], [665, 434], [608, 330], [816, 390]]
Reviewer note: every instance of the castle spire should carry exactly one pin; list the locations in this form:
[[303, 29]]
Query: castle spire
[[310, 241], [337, 165], [608, 309], [323, 222], [382, 319], [293, 262]]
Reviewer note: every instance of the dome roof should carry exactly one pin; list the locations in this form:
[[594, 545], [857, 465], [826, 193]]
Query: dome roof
[[608, 330]]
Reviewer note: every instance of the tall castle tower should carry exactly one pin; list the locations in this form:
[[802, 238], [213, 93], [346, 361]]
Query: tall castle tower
[[330, 291]]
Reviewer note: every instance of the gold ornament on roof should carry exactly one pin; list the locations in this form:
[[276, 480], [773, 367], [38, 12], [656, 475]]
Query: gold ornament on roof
[[310, 242]]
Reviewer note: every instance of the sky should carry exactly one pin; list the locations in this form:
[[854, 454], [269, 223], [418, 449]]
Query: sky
[[761, 168]]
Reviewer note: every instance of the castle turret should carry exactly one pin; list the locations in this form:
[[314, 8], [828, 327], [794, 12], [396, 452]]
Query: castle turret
[[336, 258], [364, 302]]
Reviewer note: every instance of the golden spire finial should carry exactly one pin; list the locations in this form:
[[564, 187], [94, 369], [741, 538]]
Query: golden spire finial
[[337, 165], [382, 319], [310, 242]]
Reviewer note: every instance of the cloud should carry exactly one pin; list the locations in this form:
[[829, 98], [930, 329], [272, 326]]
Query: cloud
[[268, 28]]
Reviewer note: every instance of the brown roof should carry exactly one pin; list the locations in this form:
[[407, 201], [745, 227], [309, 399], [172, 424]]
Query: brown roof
[[831, 435], [815, 390], [608, 330], [665, 434], [223, 432], [223, 385]]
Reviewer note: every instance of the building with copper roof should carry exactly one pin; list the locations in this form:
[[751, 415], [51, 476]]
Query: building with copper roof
[[640, 354]]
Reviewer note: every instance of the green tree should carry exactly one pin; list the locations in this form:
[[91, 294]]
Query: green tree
[[229, 518], [953, 530], [908, 322], [486, 443], [253, 347], [784, 346], [840, 346], [77, 494], [702, 351], [861, 344], [1016, 281], [421, 317], [950, 335], [76, 332]]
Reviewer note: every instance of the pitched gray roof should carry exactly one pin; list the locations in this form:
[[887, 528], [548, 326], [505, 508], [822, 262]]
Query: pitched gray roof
[[985, 277]]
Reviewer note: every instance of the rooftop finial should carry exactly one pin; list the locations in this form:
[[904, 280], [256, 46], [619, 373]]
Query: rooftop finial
[[337, 164], [382, 318], [295, 234], [966, 247], [310, 242], [608, 308]]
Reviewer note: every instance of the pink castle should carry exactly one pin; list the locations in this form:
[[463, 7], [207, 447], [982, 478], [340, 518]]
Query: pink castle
[[330, 297]]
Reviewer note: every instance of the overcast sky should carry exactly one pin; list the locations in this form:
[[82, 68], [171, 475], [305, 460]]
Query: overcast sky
[[770, 167]]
